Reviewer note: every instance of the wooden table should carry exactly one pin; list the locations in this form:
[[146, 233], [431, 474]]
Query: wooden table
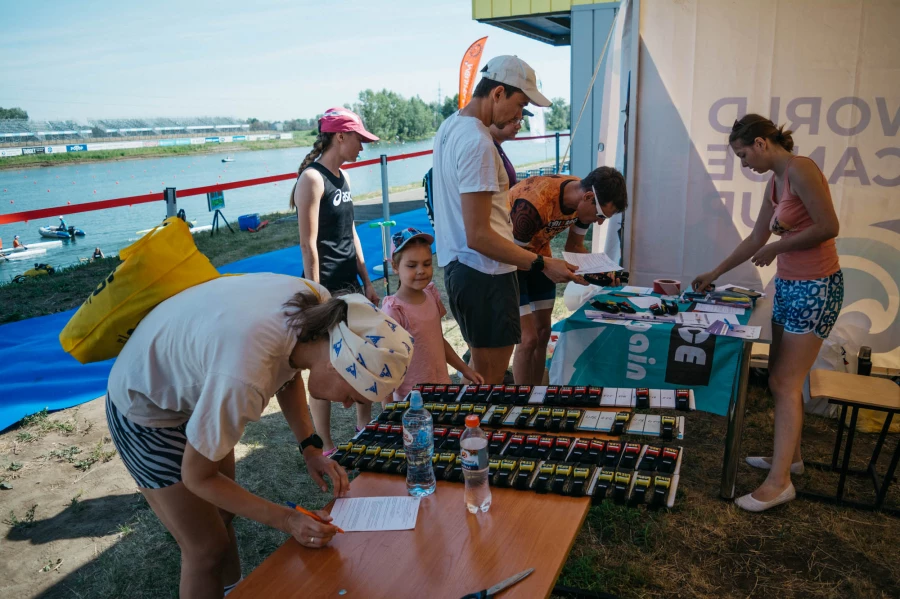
[[761, 316], [450, 552]]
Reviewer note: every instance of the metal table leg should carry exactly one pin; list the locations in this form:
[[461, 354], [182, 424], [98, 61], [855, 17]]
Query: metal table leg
[[736, 413], [838, 438], [846, 464]]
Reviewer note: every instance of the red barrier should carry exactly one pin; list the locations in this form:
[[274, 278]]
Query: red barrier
[[27, 215]]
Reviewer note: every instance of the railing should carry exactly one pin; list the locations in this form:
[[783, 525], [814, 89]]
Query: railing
[[26, 215]]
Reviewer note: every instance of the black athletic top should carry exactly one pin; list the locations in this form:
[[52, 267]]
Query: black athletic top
[[337, 254]]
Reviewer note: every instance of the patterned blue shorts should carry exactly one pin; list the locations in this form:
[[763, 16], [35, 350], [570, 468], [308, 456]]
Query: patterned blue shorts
[[809, 306]]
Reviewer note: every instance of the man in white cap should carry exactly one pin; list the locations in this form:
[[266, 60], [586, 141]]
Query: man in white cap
[[472, 226]]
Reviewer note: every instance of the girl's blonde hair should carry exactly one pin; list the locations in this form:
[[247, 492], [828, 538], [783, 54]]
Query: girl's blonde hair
[[322, 143]]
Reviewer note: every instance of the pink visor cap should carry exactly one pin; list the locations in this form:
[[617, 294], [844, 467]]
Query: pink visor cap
[[341, 120]]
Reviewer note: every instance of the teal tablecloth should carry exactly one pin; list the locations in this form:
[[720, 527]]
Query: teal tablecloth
[[657, 356]]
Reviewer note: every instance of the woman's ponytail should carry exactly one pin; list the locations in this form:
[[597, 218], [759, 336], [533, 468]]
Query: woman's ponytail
[[323, 141], [311, 319]]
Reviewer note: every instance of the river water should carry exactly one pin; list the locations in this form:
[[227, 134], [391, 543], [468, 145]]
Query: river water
[[113, 229]]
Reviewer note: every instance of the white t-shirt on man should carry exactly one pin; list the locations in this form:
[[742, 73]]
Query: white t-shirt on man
[[212, 356], [466, 161]]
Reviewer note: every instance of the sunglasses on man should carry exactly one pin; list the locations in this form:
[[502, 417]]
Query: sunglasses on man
[[600, 216]]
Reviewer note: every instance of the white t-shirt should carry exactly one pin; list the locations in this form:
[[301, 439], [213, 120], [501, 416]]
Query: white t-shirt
[[212, 356], [466, 161]]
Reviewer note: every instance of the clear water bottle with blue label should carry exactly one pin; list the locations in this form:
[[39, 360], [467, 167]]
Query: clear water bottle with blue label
[[474, 455], [418, 441]]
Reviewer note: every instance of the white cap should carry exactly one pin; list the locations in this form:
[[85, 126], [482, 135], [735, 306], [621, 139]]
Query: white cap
[[514, 71]]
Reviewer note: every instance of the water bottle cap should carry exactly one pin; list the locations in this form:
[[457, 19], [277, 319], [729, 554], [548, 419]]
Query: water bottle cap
[[415, 400], [472, 420]]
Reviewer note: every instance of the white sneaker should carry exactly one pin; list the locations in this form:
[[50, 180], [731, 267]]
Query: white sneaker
[[765, 463], [748, 503]]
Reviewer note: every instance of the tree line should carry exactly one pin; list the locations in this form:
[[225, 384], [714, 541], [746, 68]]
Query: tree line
[[393, 117], [387, 114]]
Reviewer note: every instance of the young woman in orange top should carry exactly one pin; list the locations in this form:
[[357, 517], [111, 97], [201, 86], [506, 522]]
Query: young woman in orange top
[[809, 286]]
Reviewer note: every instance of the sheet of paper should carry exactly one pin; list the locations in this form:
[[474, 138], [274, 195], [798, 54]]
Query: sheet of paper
[[591, 263], [643, 302], [375, 513], [702, 319], [638, 290], [715, 309], [744, 332], [624, 398]]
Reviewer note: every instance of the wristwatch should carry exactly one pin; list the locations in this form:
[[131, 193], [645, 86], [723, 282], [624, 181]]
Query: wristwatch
[[313, 440], [538, 264]]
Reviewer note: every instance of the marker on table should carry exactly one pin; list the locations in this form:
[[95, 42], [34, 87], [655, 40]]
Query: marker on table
[[294, 506]]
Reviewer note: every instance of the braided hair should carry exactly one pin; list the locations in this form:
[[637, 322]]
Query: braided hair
[[752, 126], [322, 143]]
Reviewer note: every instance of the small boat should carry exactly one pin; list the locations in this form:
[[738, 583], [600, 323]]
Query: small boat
[[32, 246], [228, 159], [26, 255], [56, 233]]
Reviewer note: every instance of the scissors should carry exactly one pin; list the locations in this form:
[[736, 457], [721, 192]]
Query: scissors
[[491, 592]]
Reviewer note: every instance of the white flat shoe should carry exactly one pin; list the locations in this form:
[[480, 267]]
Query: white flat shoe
[[748, 503], [762, 464]]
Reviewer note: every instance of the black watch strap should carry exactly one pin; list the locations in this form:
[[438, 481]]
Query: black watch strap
[[313, 440], [538, 264]]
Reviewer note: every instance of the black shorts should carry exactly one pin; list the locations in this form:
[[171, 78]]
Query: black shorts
[[485, 306], [536, 292]]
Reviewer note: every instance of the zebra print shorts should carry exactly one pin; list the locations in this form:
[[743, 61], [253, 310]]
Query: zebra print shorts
[[152, 455]]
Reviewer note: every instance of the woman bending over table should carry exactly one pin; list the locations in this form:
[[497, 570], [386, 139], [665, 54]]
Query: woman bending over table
[[202, 365], [809, 286]]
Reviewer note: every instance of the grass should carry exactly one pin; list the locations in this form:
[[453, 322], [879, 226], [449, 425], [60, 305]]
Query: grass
[[703, 548], [301, 139], [98, 453]]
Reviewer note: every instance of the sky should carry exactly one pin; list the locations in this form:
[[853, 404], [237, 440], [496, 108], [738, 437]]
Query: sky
[[271, 60]]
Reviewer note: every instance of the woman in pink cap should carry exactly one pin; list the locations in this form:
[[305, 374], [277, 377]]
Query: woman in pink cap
[[331, 251]]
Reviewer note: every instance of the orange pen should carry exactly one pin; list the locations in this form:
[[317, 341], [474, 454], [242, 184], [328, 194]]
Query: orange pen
[[310, 514]]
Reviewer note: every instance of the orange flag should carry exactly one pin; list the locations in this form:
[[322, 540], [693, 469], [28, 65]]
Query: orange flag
[[467, 70]]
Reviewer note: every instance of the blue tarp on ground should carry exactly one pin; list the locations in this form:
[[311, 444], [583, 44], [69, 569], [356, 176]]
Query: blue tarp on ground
[[35, 373]]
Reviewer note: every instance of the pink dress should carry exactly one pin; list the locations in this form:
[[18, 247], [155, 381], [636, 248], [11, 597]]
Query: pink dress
[[423, 321]]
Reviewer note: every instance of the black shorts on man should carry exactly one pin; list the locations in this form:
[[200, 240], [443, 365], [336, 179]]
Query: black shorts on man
[[485, 306]]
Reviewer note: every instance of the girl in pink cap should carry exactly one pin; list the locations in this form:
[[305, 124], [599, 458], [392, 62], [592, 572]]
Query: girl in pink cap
[[331, 251]]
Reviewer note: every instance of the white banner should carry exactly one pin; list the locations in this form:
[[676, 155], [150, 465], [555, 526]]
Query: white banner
[[4, 152], [825, 68]]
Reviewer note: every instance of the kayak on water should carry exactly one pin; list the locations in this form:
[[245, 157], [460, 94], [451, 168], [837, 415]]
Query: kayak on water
[[32, 246], [27, 254]]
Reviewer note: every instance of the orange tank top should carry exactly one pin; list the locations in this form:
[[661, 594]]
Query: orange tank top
[[791, 217]]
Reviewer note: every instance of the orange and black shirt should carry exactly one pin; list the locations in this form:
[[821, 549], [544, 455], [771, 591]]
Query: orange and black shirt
[[537, 212]]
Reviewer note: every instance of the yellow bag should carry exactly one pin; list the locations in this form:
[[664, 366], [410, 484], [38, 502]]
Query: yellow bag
[[159, 265]]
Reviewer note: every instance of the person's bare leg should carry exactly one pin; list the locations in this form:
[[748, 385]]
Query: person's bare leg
[[523, 359], [320, 409], [232, 565], [201, 535], [363, 414], [491, 362], [542, 320], [796, 355]]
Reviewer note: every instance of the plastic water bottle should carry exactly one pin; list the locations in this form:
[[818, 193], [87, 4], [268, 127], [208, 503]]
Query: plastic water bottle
[[474, 454], [418, 441]]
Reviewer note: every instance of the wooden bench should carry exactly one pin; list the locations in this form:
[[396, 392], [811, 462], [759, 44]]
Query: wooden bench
[[854, 392]]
